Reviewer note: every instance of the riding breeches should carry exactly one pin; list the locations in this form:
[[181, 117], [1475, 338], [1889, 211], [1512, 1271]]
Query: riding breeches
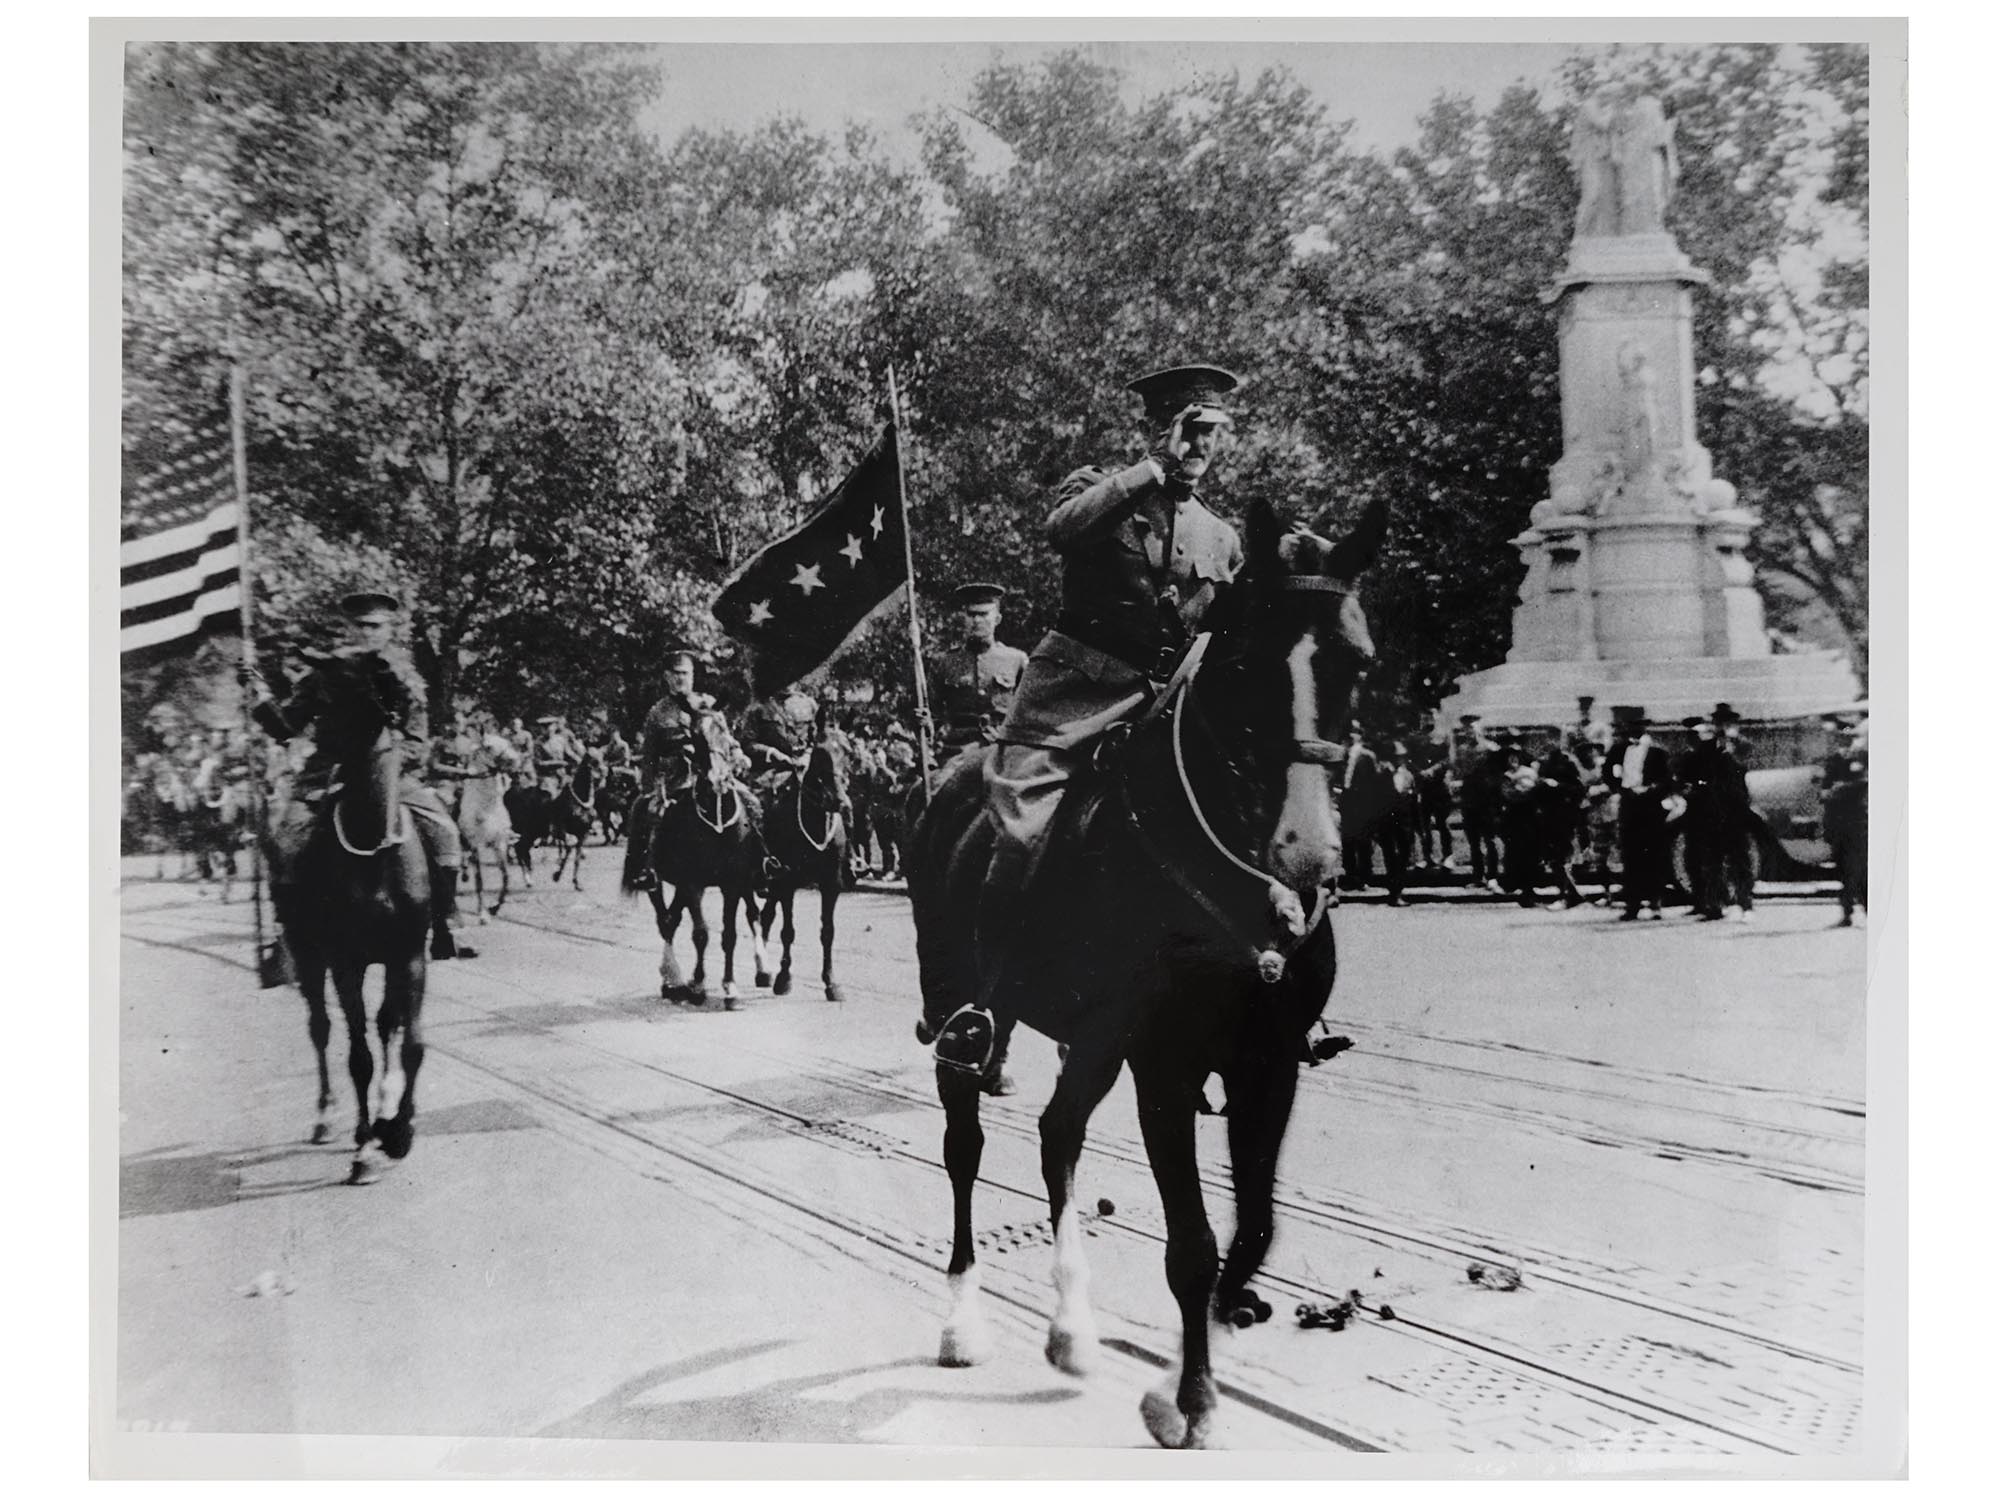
[[1024, 788]]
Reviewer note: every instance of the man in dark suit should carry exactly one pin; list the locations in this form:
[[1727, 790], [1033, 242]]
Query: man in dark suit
[[1844, 786], [1735, 820], [1640, 770], [1699, 774]]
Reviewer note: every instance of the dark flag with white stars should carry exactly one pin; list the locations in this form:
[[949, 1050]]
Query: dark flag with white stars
[[797, 602]]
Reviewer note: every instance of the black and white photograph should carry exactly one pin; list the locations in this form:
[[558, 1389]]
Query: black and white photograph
[[845, 741]]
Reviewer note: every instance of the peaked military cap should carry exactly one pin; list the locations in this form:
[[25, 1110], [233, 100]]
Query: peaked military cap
[[966, 595], [1167, 393], [369, 605], [682, 654]]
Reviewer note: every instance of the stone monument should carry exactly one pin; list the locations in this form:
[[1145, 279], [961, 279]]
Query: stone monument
[[1637, 590]]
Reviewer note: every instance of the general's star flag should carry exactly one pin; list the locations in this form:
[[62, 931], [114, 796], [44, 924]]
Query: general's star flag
[[178, 556], [798, 601]]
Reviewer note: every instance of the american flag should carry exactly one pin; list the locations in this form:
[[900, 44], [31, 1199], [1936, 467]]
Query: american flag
[[178, 558]]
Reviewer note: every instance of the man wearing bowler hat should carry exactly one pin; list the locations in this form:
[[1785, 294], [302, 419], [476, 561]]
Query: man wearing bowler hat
[[1142, 561], [975, 684], [370, 647]]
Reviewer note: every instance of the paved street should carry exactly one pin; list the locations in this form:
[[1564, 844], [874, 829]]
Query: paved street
[[628, 1219]]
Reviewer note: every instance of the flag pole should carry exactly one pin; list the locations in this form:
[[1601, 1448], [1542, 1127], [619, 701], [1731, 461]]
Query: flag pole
[[910, 569], [240, 462]]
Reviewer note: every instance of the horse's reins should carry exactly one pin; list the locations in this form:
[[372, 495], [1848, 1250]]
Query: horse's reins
[[799, 817], [1304, 751]]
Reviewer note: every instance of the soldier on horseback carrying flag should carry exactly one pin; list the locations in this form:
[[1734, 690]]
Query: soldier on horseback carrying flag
[[400, 691]]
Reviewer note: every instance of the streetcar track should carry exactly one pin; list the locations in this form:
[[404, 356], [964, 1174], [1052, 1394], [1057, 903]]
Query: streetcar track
[[1453, 1340], [732, 1171]]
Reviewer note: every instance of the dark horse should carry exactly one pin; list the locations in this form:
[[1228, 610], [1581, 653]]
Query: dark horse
[[360, 894], [706, 836], [1178, 927], [805, 834], [563, 818]]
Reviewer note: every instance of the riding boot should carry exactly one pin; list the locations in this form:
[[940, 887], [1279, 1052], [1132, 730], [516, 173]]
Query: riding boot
[[444, 907], [970, 1039]]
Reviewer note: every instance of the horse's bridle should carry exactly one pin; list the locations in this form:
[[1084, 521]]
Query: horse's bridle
[[1317, 752]]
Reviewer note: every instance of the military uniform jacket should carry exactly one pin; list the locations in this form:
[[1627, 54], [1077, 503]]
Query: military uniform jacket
[[975, 692], [1113, 533], [312, 700], [770, 728], [664, 740]]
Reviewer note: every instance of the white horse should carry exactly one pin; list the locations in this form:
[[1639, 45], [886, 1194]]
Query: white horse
[[483, 822]]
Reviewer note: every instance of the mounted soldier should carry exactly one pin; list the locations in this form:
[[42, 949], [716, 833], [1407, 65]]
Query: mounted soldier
[[557, 754], [975, 683], [666, 762], [387, 672], [776, 733], [1142, 561]]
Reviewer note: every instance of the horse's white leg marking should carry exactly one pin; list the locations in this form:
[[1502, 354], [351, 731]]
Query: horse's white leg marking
[[967, 1337], [1302, 848], [1072, 1346]]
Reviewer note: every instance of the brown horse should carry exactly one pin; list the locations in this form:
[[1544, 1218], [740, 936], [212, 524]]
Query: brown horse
[[805, 833], [1180, 927], [706, 836], [359, 895]]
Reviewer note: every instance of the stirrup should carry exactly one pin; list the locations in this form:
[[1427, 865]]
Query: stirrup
[[965, 1042]]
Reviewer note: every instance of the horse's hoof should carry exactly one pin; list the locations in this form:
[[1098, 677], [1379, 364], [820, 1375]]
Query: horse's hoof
[[321, 1133], [782, 985], [697, 994], [729, 1000], [1071, 1350], [763, 980], [963, 1345], [396, 1136], [1164, 1419], [366, 1169], [833, 992]]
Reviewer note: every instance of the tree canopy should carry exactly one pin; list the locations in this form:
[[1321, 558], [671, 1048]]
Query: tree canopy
[[553, 378]]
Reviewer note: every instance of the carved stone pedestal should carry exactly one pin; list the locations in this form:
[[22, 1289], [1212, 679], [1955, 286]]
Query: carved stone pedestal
[[1637, 588]]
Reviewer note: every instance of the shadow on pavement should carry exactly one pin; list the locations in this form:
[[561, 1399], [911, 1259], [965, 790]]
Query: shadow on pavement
[[153, 1182], [781, 1411]]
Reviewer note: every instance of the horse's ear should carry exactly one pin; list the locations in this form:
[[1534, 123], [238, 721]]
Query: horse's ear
[[1355, 551]]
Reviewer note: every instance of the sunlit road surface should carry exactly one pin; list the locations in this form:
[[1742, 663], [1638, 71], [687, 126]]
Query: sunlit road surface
[[628, 1219]]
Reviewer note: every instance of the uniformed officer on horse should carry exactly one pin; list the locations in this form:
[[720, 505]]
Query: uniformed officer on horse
[[666, 763], [371, 622], [975, 683], [1142, 562]]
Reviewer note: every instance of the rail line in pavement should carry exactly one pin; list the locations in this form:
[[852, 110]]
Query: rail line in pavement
[[1480, 1347]]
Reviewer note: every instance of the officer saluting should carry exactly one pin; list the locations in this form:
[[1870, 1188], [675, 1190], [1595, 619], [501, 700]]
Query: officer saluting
[[974, 684], [1142, 562]]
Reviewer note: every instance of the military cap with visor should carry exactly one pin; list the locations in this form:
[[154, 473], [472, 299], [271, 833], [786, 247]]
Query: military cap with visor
[[1196, 390], [370, 607], [971, 595]]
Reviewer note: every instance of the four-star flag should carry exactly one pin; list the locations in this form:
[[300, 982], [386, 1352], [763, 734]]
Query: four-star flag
[[797, 602]]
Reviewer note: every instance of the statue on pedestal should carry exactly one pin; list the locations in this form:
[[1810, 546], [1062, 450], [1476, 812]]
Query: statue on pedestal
[[1622, 151]]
